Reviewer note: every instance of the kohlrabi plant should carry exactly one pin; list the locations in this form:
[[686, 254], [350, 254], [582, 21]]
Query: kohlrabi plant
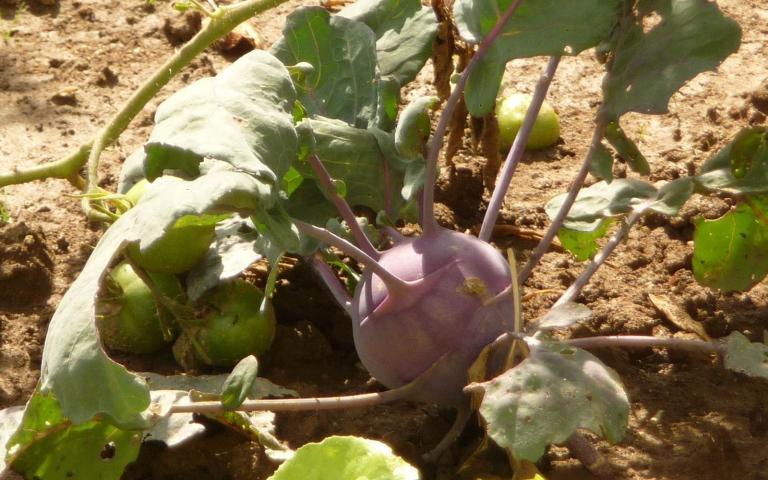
[[282, 147]]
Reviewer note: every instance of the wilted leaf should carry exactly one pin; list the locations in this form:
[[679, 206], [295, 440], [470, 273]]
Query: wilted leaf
[[345, 458], [541, 27], [693, 36], [543, 400], [746, 357]]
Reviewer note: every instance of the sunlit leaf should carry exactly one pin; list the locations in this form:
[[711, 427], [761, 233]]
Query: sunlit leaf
[[543, 400], [541, 27], [48, 446], [741, 166], [253, 96], [731, 253], [583, 245], [404, 32], [692, 36], [343, 83], [602, 200], [74, 366], [345, 458]]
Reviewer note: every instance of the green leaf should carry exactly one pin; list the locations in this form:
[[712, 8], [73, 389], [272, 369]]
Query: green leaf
[[693, 36], [10, 419], [355, 156], [345, 458], [414, 127], [746, 357], [252, 101], [48, 446], [235, 248], [602, 200], [74, 366], [541, 27], [543, 400], [741, 166], [239, 382], [405, 31], [583, 245], [564, 315], [731, 252], [210, 386], [601, 164], [672, 196], [343, 84], [626, 148]]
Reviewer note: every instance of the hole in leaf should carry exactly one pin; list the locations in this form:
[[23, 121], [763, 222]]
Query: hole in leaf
[[108, 452]]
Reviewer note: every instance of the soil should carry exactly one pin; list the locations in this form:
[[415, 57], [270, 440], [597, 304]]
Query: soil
[[65, 67]]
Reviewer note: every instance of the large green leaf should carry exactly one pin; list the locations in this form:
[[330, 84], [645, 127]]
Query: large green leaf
[[242, 116], [541, 27], [405, 31], [741, 167], [356, 157], [693, 36], [48, 446], [345, 458], [74, 366], [731, 252], [556, 390], [343, 83]]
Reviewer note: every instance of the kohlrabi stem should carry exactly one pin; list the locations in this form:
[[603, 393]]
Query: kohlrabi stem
[[332, 282], [576, 185], [301, 404], [429, 223], [222, 21], [326, 183], [626, 341], [393, 283], [638, 341], [573, 291], [517, 149]]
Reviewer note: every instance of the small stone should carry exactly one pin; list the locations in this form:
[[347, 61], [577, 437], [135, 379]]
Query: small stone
[[67, 96]]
